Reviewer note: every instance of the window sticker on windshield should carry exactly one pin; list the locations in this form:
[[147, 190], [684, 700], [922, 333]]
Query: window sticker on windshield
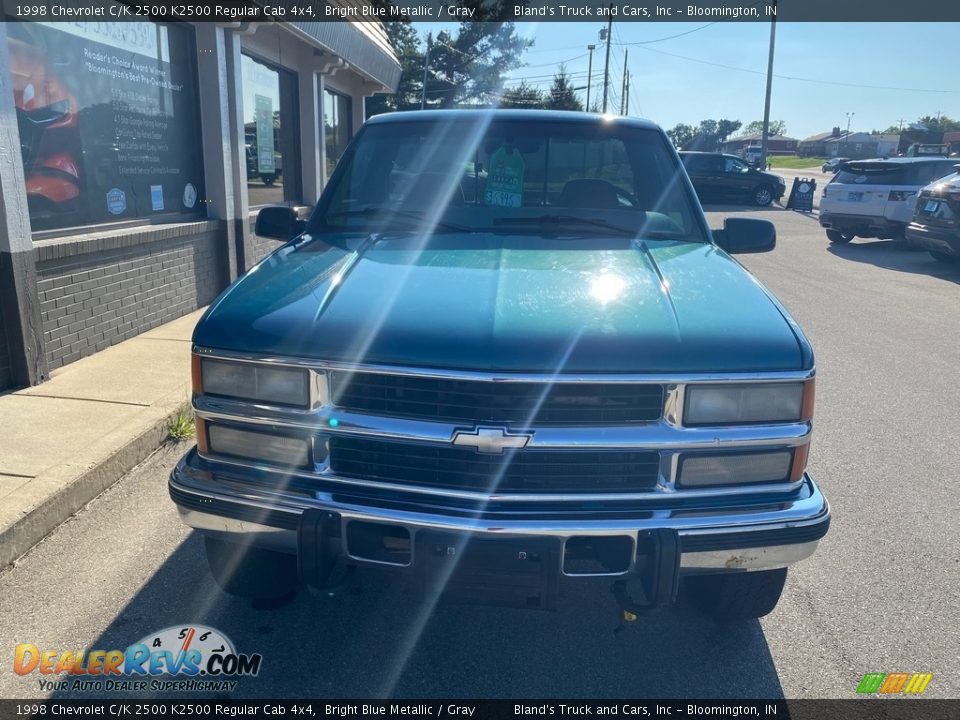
[[505, 178]]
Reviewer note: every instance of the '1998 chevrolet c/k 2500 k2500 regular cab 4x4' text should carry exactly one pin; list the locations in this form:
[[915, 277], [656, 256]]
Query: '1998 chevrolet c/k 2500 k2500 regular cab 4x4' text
[[506, 352]]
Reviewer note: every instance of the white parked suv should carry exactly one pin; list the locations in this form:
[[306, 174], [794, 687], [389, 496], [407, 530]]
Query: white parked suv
[[877, 198]]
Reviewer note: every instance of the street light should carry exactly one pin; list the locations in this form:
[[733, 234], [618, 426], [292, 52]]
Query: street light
[[846, 137], [591, 48]]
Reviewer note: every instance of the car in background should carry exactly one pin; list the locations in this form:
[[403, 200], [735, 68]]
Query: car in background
[[876, 198], [936, 222], [927, 150], [718, 177], [752, 155], [833, 164]]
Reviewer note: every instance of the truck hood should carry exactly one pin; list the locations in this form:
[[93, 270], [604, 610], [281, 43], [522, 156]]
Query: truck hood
[[514, 303]]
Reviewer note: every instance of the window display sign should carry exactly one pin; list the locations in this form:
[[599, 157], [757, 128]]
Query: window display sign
[[263, 113], [108, 121]]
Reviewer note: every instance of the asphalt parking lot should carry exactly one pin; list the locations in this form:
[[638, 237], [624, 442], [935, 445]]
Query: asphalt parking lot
[[879, 596]]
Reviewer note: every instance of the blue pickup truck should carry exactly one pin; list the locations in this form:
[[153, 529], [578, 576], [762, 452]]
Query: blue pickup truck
[[506, 353]]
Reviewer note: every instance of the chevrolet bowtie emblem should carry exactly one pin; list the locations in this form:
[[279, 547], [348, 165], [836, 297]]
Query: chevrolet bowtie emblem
[[490, 440]]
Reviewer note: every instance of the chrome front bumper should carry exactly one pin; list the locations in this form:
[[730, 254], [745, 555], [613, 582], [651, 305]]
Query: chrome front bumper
[[728, 533]]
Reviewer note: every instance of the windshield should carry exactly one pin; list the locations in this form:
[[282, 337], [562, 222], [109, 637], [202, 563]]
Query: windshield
[[508, 176]]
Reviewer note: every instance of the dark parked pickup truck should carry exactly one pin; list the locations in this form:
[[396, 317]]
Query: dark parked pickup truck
[[506, 353]]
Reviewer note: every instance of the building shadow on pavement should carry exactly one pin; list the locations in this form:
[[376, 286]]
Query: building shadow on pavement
[[376, 638], [735, 208], [895, 255]]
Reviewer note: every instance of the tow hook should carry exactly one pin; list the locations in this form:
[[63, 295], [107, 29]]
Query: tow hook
[[656, 576]]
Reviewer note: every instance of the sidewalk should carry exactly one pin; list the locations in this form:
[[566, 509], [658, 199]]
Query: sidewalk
[[64, 442]]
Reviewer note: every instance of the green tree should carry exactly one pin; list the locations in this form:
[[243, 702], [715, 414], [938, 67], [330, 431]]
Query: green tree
[[406, 43], [467, 65], [931, 123], [777, 127], [523, 96], [470, 67], [726, 128], [561, 95], [682, 135]]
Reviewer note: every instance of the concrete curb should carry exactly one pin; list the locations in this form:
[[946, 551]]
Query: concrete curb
[[35, 525]]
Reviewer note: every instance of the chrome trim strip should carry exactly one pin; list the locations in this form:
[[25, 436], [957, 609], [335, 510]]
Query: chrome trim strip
[[508, 377], [807, 509], [659, 435], [660, 493]]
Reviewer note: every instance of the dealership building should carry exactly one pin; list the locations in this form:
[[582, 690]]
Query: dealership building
[[145, 151]]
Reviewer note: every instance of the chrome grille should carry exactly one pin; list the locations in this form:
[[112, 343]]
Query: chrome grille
[[517, 404], [530, 471]]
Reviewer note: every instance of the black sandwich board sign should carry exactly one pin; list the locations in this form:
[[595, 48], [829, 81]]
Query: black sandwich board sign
[[801, 194]]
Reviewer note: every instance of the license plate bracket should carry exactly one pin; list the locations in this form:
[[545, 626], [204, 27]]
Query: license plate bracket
[[506, 572]]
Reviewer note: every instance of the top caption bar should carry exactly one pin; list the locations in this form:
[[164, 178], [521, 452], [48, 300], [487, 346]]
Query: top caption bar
[[505, 10]]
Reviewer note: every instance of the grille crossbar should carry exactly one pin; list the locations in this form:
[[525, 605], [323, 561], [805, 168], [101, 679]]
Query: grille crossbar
[[516, 404], [544, 471]]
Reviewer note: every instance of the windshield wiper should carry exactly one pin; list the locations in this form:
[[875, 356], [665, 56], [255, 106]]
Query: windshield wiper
[[391, 212], [563, 222]]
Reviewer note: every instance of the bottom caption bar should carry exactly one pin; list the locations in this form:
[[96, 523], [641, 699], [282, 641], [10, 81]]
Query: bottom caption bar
[[913, 709]]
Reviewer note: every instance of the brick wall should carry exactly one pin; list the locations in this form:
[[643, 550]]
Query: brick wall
[[264, 246], [98, 290]]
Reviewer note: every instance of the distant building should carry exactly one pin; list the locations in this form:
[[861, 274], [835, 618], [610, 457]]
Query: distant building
[[776, 144], [887, 144], [816, 145], [861, 145]]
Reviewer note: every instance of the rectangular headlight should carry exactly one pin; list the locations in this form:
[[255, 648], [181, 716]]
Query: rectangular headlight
[[744, 404], [258, 446], [713, 470], [249, 381]]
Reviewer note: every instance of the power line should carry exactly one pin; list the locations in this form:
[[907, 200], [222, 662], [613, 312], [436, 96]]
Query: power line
[[558, 62], [669, 37], [794, 77]]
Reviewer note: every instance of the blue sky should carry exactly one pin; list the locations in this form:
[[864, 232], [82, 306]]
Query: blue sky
[[669, 89]]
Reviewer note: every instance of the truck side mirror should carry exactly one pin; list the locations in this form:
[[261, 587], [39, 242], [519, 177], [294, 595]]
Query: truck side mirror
[[279, 222], [746, 235]]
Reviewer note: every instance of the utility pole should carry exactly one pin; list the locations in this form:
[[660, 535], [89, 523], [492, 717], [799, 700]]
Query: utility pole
[[901, 124], [426, 65], [623, 86], [606, 65], [591, 48], [627, 103], [766, 102]]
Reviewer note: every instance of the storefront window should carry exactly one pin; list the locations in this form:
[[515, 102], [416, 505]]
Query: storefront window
[[270, 133], [108, 121], [336, 126]]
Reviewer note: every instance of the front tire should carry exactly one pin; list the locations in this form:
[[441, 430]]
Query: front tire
[[737, 596], [251, 572], [763, 196], [835, 236]]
